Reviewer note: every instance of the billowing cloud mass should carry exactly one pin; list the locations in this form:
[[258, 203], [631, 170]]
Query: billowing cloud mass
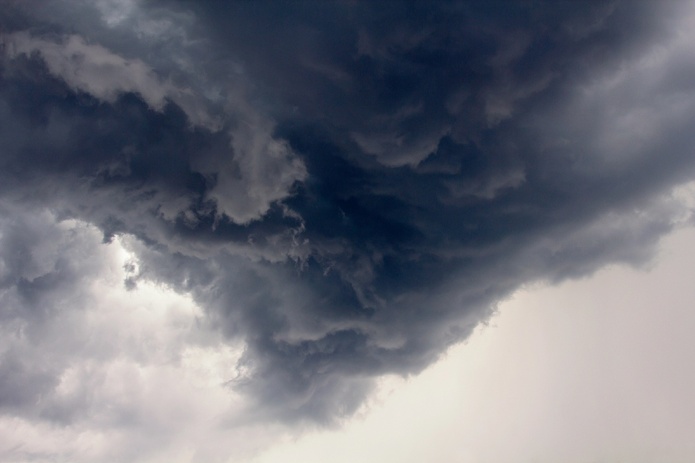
[[328, 191]]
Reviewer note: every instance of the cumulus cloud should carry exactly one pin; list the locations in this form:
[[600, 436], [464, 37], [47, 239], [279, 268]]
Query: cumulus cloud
[[99, 371], [343, 198]]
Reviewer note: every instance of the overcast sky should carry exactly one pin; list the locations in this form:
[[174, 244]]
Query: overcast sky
[[230, 226]]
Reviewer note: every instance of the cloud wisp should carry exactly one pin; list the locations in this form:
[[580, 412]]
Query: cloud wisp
[[344, 190]]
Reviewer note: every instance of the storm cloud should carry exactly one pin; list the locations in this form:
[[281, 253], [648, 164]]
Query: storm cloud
[[345, 189]]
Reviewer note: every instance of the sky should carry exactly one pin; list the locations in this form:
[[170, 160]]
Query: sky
[[305, 231]]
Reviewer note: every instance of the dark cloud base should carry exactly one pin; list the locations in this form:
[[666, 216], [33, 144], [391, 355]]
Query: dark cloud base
[[439, 156]]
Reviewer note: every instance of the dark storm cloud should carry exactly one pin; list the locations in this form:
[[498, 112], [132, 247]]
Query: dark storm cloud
[[349, 188]]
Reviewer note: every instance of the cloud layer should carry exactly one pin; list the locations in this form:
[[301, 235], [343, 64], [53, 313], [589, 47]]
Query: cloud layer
[[344, 190]]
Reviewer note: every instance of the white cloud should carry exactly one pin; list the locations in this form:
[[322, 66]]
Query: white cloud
[[141, 376], [93, 69], [264, 170]]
